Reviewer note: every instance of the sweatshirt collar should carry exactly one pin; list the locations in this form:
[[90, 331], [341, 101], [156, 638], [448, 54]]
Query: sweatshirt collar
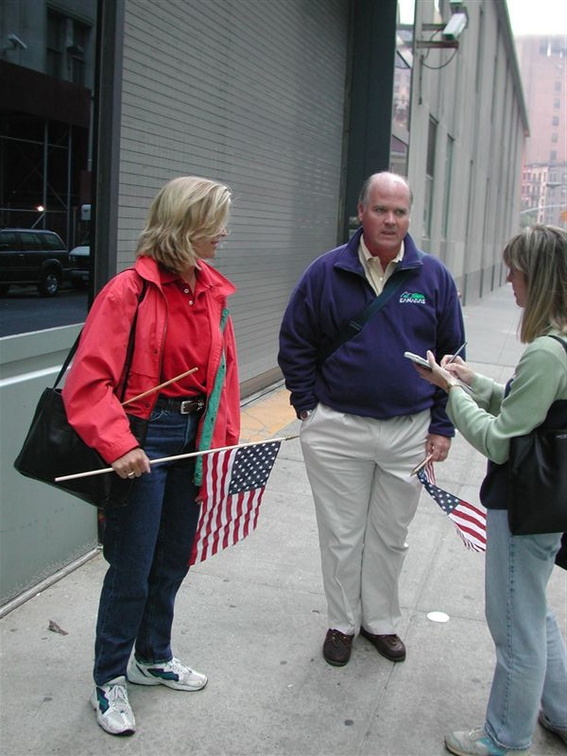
[[348, 258]]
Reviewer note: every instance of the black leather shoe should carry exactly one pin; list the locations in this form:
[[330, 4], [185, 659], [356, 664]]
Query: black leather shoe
[[337, 647], [390, 646]]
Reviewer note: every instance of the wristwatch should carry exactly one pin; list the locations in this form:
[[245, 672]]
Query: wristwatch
[[304, 414]]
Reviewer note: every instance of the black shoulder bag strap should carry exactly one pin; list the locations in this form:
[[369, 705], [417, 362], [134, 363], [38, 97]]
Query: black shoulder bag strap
[[354, 326], [563, 343], [129, 350]]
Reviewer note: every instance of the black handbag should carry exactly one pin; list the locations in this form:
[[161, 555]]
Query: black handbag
[[537, 475], [52, 448], [561, 556]]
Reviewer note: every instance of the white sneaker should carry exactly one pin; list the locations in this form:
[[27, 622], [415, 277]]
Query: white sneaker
[[173, 674], [113, 711], [477, 743]]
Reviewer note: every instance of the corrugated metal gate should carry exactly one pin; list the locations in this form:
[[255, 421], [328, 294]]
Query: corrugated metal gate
[[250, 92]]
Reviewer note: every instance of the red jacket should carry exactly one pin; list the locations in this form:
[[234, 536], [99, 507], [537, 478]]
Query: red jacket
[[94, 383]]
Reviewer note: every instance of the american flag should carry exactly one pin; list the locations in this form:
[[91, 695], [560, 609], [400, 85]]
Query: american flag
[[234, 482], [469, 521]]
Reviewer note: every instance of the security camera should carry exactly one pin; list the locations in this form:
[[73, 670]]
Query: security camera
[[456, 26], [17, 42]]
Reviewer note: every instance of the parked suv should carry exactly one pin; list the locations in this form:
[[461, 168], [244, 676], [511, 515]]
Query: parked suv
[[79, 260], [32, 256]]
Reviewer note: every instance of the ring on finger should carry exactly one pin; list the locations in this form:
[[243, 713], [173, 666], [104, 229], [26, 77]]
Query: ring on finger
[[131, 474]]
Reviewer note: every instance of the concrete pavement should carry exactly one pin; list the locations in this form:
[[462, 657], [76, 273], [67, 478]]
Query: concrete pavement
[[254, 619]]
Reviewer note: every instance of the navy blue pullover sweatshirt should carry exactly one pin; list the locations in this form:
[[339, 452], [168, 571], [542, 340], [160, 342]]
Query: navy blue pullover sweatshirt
[[368, 375]]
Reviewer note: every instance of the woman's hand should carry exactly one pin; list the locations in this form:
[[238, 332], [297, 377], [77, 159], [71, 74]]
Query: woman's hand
[[132, 464], [448, 376], [458, 368]]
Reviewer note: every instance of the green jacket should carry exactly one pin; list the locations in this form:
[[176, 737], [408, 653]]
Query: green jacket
[[488, 420]]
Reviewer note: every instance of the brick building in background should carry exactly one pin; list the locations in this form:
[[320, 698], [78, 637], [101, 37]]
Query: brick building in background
[[543, 67]]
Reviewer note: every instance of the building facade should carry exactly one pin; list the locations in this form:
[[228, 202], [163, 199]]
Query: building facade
[[293, 104], [543, 65]]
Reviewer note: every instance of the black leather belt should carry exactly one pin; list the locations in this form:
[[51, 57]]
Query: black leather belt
[[183, 406]]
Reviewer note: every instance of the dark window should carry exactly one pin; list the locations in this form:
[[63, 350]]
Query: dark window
[[7, 240], [50, 241], [448, 188], [67, 41], [429, 177], [30, 241], [55, 42]]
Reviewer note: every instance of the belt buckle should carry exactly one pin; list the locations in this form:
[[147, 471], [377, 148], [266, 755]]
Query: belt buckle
[[191, 405], [186, 407]]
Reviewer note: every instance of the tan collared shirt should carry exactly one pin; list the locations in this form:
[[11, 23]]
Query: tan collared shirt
[[375, 274]]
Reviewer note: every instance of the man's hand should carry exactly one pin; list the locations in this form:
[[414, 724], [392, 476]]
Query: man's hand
[[438, 447]]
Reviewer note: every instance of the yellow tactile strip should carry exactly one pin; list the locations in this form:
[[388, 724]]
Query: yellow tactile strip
[[265, 417]]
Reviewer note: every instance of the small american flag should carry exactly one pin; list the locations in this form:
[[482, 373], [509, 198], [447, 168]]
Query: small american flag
[[469, 521], [234, 482]]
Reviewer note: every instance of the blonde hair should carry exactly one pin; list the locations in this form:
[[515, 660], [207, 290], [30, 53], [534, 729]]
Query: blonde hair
[[187, 209], [540, 254]]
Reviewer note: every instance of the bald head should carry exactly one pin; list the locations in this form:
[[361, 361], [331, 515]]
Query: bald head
[[386, 181]]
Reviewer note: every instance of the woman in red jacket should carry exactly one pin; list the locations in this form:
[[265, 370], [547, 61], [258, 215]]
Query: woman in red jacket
[[182, 323]]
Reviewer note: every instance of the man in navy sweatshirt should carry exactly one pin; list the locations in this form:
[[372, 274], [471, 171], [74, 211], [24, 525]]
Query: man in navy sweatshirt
[[367, 417]]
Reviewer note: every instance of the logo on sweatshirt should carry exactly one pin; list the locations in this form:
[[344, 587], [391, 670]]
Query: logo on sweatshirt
[[412, 298]]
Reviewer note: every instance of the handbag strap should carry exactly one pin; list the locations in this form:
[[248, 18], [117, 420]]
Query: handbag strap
[[129, 349], [68, 360], [131, 341], [563, 343], [354, 326]]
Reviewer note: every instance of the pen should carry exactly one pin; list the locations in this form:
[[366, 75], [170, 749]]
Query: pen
[[457, 353]]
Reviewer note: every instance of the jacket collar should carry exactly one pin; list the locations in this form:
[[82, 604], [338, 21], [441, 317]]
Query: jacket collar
[[149, 269]]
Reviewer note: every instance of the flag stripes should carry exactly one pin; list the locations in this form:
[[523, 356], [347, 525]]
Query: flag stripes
[[234, 484], [469, 521], [471, 525]]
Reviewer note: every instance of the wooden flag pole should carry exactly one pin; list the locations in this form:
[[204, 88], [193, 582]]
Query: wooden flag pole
[[103, 470], [422, 464], [161, 385]]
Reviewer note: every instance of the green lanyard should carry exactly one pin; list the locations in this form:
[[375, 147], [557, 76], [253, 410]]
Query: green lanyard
[[211, 412]]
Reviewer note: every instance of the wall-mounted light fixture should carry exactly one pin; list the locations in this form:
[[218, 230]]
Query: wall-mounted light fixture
[[41, 210], [17, 42]]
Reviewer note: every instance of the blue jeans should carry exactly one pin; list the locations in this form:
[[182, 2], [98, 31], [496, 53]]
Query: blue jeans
[[531, 670], [148, 546]]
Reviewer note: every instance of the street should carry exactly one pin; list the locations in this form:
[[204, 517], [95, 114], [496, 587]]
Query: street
[[23, 310]]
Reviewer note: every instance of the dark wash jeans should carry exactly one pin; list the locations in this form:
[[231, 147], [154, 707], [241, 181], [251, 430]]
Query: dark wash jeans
[[148, 545]]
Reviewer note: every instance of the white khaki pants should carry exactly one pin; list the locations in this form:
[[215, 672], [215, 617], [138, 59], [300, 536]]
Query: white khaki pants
[[365, 499]]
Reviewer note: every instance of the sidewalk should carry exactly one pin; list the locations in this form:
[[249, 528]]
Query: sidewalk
[[254, 619]]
